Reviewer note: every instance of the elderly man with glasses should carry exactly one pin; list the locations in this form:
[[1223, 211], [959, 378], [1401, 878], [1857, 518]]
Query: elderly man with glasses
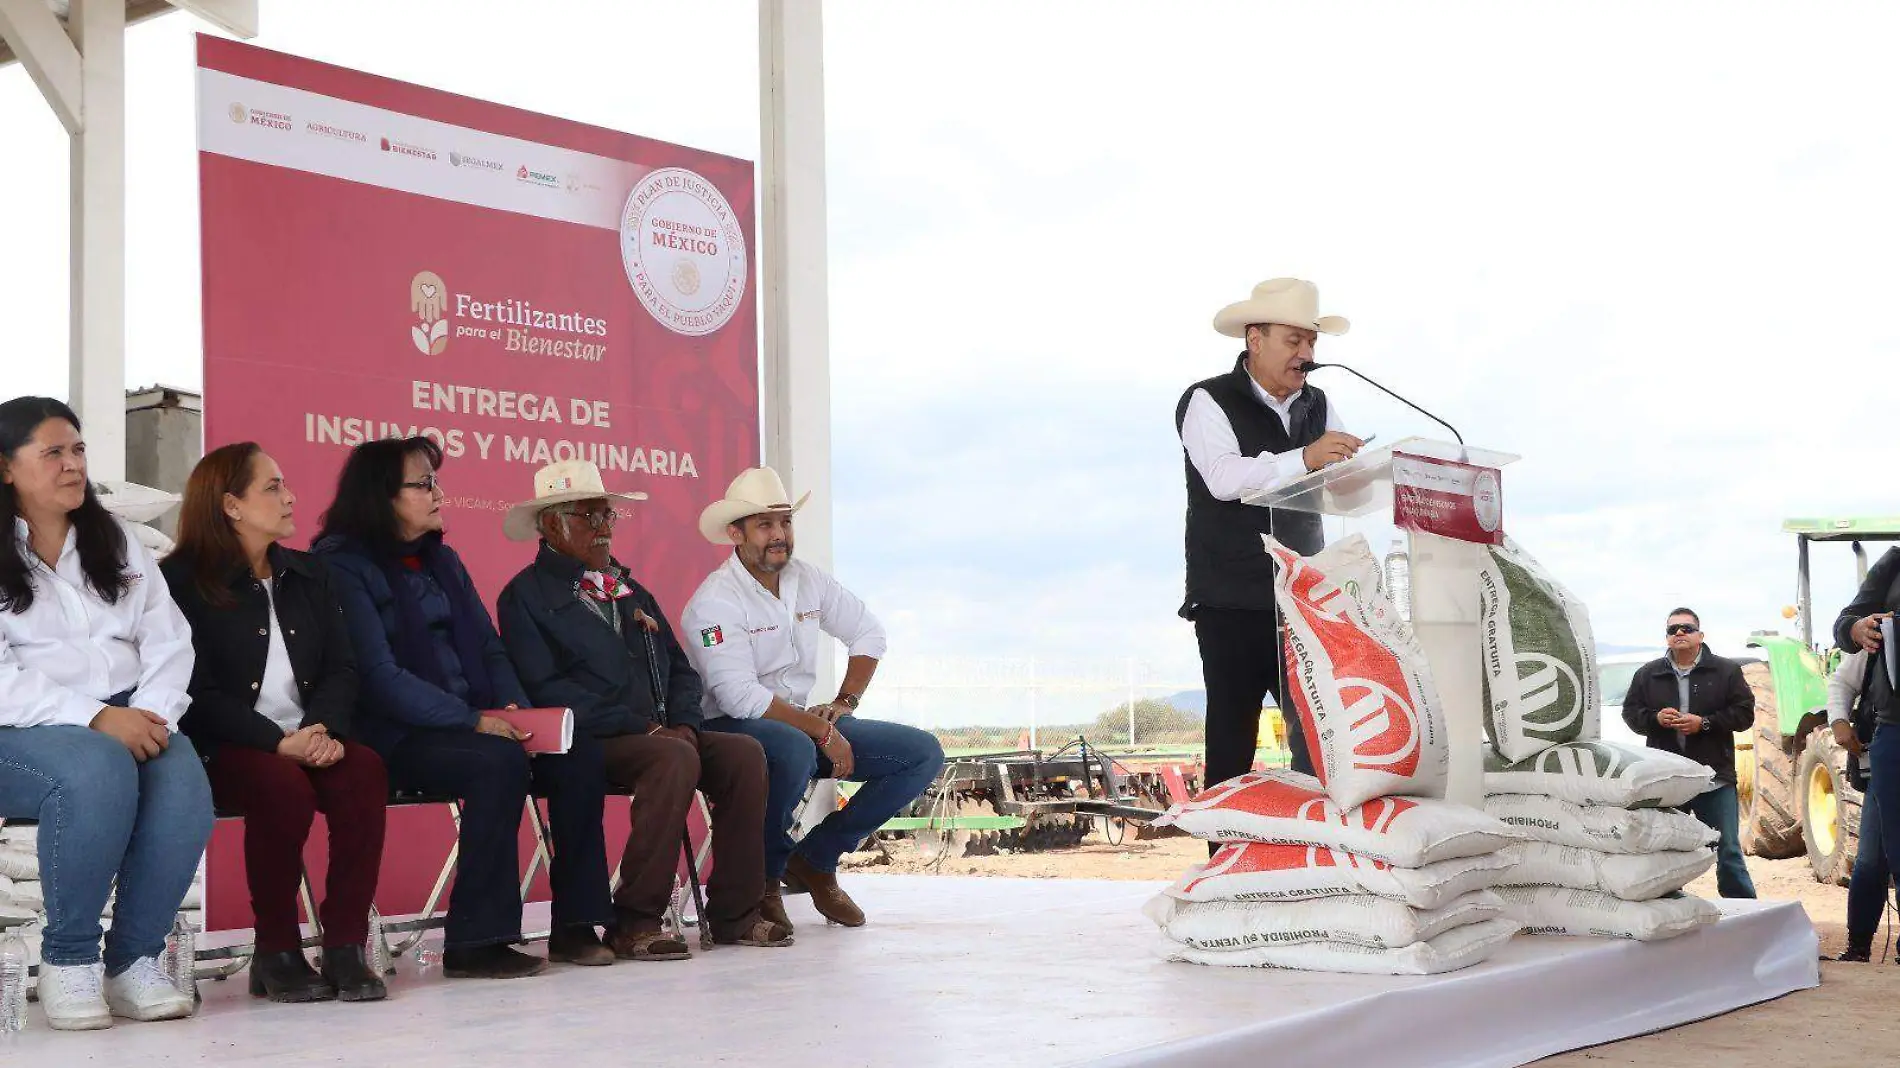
[[584, 635], [1694, 702]]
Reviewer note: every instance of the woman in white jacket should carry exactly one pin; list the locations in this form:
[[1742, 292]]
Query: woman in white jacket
[[94, 663]]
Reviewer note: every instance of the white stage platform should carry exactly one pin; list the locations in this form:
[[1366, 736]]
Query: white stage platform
[[994, 972]]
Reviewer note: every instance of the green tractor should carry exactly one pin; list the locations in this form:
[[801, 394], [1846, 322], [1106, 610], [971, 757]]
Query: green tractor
[[1792, 777]]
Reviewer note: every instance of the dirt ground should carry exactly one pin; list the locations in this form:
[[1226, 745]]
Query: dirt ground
[[1852, 1019]]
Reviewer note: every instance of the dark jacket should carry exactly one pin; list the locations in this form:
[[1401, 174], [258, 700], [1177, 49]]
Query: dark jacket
[[569, 657], [1879, 593], [232, 643], [396, 701], [1717, 692]]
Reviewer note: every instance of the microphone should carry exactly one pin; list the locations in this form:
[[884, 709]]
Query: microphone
[[1309, 367]]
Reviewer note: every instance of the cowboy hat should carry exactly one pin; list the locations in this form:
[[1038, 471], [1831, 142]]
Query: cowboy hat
[[755, 491], [558, 483], [1287, 301]]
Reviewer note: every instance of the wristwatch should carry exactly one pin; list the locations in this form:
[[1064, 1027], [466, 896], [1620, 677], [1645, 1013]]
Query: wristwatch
[[849, 700]]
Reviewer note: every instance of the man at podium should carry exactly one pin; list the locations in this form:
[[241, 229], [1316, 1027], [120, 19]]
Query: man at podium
[[1245, 432]]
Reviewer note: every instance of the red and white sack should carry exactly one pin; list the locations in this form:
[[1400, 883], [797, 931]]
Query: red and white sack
[[1290, 808], [1261, 871], [1357, 678], [1599, 827], [1558, 910], [1231, 926], [1460, 947], [1632, 878]]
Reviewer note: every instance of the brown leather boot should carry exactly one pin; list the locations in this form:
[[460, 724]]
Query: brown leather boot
[[826, 895], [773, 909]]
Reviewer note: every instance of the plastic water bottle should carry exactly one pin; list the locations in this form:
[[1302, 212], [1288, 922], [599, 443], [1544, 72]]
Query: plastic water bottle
[[13, 965], [1398, 579], [181, 957], [376, 949]]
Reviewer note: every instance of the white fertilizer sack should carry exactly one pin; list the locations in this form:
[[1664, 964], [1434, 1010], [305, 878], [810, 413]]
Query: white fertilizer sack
[[1601, 773], [1599, 827], [1460, 947], [1261, 871], [1290, 808], [1632, 878], [1558, 910], [1357, 678], [1540, 663], [1230, 926], [17, 863]]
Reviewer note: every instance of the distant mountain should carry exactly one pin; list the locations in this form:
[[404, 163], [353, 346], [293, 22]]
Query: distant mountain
[[1194, 701]]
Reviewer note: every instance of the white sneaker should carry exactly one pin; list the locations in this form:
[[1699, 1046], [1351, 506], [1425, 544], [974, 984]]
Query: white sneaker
[[145, 992], [74, 997]]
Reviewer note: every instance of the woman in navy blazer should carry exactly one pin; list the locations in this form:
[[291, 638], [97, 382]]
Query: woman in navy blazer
[[431, 670]]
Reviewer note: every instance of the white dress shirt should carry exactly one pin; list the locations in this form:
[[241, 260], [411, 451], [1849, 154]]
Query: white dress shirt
[[1211, 445], [750, 646], [277, 697], [61, 658]]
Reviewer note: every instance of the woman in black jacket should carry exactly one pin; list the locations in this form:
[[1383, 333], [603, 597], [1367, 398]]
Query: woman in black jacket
[[272, 697]]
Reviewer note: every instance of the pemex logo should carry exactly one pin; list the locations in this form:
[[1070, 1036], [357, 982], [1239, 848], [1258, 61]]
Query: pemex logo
[[428, 297]]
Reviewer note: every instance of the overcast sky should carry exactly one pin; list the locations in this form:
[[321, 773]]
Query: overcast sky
[[1651, 247]]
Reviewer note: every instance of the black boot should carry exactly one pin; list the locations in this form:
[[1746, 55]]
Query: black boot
[[346, 969], [490, 962], [287, 977], [1858, 951]]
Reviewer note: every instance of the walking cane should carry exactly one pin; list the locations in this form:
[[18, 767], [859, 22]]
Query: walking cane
[[699, 895]]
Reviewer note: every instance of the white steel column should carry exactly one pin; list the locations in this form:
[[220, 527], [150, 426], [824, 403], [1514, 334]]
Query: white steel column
[[98, 236], [792, 269]]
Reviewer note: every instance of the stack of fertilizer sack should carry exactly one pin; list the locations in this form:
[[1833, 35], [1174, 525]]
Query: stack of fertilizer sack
[[1606, 857], [1361, 868], [21, 899]]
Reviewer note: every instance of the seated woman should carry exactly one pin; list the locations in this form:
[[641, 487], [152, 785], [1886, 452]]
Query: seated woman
[[429, 664], [94, 662], [272, 698]]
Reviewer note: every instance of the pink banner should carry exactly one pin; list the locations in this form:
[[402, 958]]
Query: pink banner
[[383, 259], [1453, 500]]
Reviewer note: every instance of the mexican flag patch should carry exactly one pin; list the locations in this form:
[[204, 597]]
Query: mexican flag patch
[[710, 637]]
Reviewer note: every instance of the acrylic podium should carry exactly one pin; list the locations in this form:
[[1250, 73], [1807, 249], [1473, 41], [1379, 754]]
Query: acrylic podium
[[1443, 565]]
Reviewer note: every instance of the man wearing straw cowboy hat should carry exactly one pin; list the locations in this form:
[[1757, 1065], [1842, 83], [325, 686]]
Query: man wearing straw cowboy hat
[[584, 635], [754, 631], [1242, 432]]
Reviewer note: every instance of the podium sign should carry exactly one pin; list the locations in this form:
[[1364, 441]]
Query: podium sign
[[1464, 502]]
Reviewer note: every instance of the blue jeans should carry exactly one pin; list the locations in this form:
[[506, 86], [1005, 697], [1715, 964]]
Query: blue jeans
[[1867, 890], [894, 762], [1879, 834], [102, 814], [493, 777], [1721, 809]]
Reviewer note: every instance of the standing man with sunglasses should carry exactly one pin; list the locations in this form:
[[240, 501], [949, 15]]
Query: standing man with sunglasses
[[1694, 702]]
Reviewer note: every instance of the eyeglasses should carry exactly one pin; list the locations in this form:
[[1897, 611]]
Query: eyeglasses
[[429, 484], [1682, 628], [598, 518]]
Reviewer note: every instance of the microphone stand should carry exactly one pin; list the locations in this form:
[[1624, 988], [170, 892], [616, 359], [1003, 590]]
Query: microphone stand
[[1311, 366]]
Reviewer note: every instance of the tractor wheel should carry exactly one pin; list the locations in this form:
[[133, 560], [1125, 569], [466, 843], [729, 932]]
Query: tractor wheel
[[1771, 819], [1830, 809]]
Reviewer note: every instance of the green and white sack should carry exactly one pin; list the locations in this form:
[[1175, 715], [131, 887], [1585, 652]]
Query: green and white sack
[[1632, 878], [1460, 947], [1557, 910], [1360, 919], [1599, 827], [1601, 773], [1540, 662]]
